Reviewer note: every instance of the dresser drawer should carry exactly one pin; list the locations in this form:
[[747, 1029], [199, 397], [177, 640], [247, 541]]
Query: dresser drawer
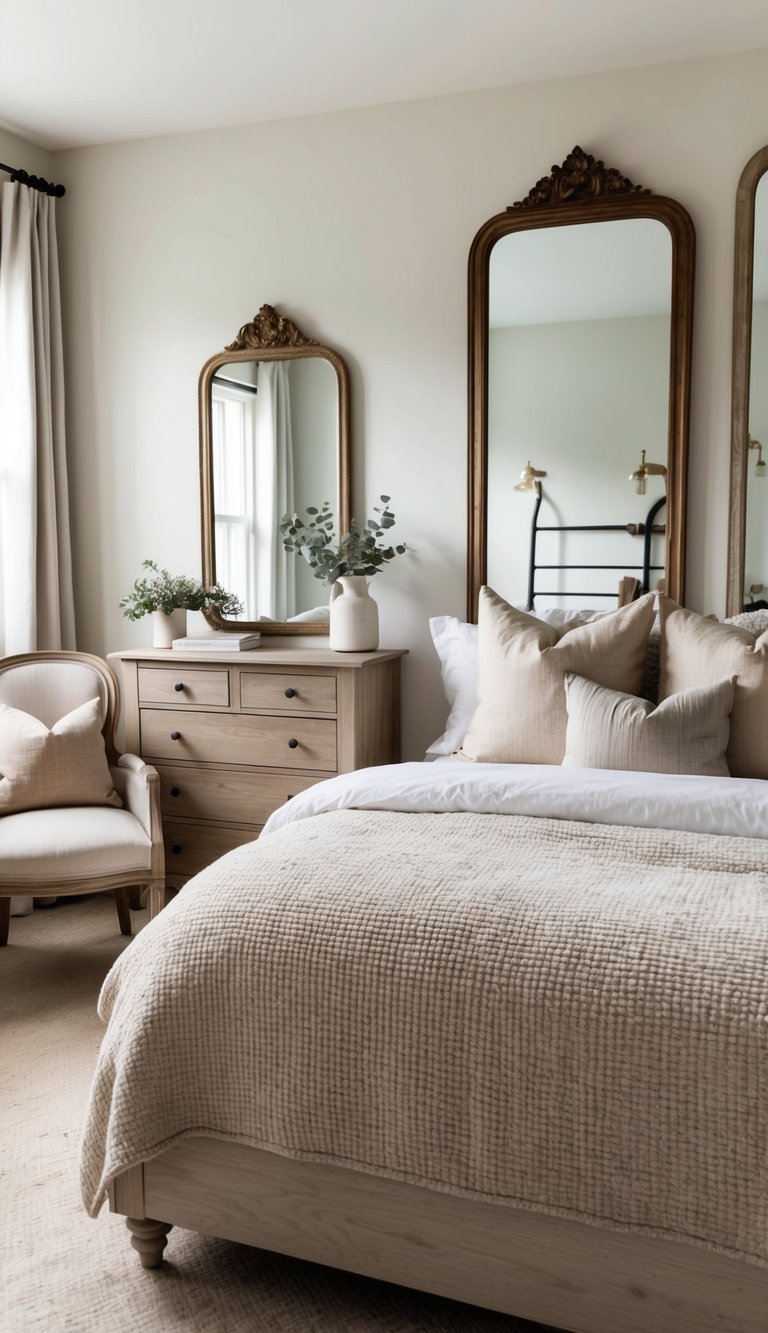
[[211, 793], [287, 692], [191, 847], [184, 685], [244, 738]]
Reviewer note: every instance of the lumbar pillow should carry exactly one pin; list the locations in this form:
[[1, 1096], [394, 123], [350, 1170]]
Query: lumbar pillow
[[521, 716], [696, 651], [687, 733], [66, 765]]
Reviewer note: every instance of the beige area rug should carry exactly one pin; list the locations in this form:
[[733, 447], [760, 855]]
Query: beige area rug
[[60, 1271]]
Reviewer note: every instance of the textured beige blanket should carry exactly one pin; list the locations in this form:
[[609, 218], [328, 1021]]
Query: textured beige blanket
[[567, 1017]]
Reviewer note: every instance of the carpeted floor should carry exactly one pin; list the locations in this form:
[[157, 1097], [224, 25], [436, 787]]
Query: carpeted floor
[[59, 1270]]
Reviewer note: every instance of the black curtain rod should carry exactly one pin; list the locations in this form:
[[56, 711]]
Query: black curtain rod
[[34, 182]]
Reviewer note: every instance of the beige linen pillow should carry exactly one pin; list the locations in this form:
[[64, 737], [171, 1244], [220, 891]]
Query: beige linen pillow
[[687, 733], [520, 716], [696, 651], [66, 765]]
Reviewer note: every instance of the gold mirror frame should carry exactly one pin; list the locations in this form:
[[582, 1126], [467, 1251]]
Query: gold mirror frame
[[743, 270], [272, 337], [583, 189]]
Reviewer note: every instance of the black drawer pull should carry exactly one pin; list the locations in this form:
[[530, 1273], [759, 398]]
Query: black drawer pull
[[175, 735], [292, 743], [289, 798], [290, 693], [175, 791], [178, 687], [177, 849]]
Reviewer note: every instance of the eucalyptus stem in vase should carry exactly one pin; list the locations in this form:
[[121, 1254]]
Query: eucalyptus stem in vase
[[345, 563]]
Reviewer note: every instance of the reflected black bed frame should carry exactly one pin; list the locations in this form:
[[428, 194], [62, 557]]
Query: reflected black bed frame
[[647, 530]]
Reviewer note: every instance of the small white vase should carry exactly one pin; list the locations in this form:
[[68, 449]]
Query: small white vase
[[167, 627], [354, 616]]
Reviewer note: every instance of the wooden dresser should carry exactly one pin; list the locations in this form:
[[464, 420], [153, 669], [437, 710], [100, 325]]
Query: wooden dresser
[[235, 735]]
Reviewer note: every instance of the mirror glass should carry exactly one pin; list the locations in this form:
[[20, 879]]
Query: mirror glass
[[580, 333], [756, 537], [579, 324], [274, 440]]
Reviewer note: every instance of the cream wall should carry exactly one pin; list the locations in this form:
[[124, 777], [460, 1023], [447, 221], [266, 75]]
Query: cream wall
[[610, 400], [358, 225]]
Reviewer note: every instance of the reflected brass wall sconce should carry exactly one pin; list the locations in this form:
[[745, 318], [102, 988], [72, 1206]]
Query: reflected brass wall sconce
[[529, 479], [646, 470], [760, 464]]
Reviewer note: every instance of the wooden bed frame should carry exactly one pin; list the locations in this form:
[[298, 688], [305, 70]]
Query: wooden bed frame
[[552, 1270]]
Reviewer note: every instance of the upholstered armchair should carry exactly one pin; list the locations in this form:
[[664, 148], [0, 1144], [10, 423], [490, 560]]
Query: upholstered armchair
[[74, 817]]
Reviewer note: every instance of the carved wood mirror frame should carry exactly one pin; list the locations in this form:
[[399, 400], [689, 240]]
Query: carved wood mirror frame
[[743, 273], [583, 190], [269, 336]]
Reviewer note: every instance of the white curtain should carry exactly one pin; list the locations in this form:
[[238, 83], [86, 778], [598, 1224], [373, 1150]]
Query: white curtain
[[36, 566], [275, 567]]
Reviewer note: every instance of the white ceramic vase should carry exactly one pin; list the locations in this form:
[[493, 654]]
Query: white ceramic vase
[[354, 616], [168, 626]]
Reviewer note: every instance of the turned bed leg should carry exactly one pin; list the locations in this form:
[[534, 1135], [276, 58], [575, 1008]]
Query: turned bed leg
[[149, 1239]]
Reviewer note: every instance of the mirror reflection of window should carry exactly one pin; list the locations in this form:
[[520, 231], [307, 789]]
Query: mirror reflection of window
[[578, 375], [253, 485], [233, 409], [274, 434]]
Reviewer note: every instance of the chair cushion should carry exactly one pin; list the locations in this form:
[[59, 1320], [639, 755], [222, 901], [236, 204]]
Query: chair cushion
[[77, 842], [63, 765]]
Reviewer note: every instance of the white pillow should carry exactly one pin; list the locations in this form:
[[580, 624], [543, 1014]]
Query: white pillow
[[456, 645]]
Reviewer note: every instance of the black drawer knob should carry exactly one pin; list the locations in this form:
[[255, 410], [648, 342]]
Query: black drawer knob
[[175, 791], [290, 693], [289, 798], [175, 735], [292, 743], [178, 687], [177, 849]]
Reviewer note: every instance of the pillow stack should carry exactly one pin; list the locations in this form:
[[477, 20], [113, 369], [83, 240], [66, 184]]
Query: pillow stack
[[521, 715], [526, 692]]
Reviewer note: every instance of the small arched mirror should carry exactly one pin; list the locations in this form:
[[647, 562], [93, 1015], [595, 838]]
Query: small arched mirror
[[748, 527], [274, 439], [580, 322]]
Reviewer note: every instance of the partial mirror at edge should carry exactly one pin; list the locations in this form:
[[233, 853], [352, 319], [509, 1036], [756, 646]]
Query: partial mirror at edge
[[580, 341], [748, 525], [274, 438]]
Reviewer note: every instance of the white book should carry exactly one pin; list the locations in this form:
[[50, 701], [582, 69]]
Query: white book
[[218, 641]]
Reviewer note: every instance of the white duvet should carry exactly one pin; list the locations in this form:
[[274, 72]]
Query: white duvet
[[735, 807]]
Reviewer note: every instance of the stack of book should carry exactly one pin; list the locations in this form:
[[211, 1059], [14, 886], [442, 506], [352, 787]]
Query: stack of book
[[218, 641]]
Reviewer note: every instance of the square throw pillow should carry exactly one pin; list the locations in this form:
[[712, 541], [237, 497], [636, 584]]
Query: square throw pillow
[[66, 765], [521, 716], [696, 651], [687, 733], [456, 645]]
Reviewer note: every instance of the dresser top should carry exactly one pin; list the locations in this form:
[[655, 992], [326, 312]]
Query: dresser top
[[283, 657]]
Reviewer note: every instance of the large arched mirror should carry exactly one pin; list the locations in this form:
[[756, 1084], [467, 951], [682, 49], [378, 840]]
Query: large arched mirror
[[580, 324], [748, 528], [274, 439]]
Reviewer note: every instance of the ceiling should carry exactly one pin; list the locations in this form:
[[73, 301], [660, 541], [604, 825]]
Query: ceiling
[[78, 72]]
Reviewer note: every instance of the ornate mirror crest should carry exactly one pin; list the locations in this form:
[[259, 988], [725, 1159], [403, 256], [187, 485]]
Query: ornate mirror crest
[[581, 191]]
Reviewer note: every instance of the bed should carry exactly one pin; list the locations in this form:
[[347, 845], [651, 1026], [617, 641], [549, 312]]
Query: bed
[[519, 1056], [497, 1029]]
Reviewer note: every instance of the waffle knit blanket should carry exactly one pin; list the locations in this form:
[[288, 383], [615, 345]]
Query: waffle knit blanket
[[563, 1016]]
